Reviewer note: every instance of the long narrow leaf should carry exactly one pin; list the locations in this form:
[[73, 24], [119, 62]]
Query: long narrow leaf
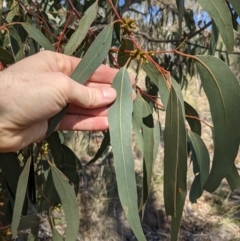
[[201, 166], [218, 10], [233, 178], [222, 90], [82, 30], [20, 196], [175, 162], [94, 56], [119, 116], [69, 203], [38, 36]]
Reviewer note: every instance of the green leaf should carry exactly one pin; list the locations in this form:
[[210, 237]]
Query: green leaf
[[94, 56], [70, 165], [82, 30], [219, 12], [6, 57], [50, 192], [55, 146], [236, 5], [175, 162], [38, 36], [10, 165], [119, 117], [201, 164], [137, 121], [148, 150], [69, 203], [172, 151], [222, 90], [214, 39], [20, 196], [158, 80], [29, 222], [56, 235], [194, 123], [123, 57], [14, 34], [56, 120], [180, 5], [90, 62], [233, 178]]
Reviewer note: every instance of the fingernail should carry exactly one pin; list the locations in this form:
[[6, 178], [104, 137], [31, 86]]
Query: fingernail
[[109, 93]]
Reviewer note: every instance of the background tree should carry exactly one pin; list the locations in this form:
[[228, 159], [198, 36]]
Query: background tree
[[171, 41]]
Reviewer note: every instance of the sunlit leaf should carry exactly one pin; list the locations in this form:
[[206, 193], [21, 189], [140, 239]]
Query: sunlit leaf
[[69, 203], [119, 117], [83, 27], [218, 10], [233, 178], [20, 196], [201, 166], [222, 90], [94, 56]]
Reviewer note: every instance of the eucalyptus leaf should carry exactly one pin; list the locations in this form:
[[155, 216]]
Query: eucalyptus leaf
[[94, 56], [233, 178], [123, 56], [222, 90], [38, 36], [193, 118], [20, 196], [69, 203], [82, 30], [222, 17], [236, 5], [28, 222], [201, 163], [119, 118], [175, 162], [180, 5], [6, 57]]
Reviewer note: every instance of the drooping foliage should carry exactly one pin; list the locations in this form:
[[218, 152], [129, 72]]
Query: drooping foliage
[[171, 41]]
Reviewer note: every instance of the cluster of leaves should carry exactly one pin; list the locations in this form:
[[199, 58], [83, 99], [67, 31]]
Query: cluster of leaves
[[46, 174]]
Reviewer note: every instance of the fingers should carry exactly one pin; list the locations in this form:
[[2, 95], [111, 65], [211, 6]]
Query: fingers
[[88, 97], [67, 64], [83, 123], [76, 110]]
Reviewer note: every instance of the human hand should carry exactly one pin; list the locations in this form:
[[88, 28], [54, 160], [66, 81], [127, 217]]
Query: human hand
[[38, 87]]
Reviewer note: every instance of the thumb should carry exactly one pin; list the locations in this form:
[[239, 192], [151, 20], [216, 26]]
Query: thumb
[[90, 97]]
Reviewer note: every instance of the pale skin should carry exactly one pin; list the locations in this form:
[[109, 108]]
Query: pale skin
[[38, 87]]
